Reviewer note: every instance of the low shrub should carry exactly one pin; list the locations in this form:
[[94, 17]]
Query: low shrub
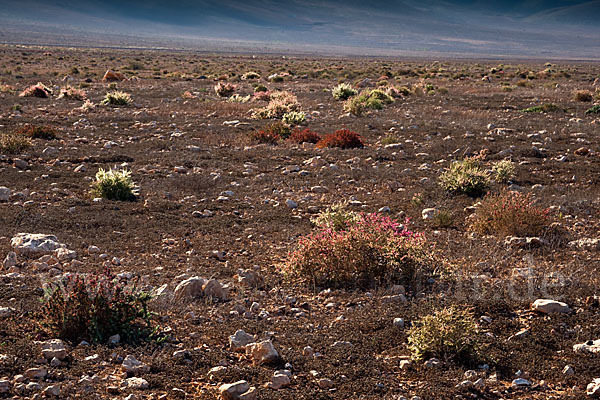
[[367, 100], [343, 139], [467, 176], [583, 95], [503, 170], [114, 185], [336, 218], [13, 143], [261, 136], [224, 89], [510, 213], [449, 334], [544, 108], [272, 133], [293, 118], [262, 96], [93, 307], [39, 90], [72, 94], [116, 98], [390, 139], [304, 136], [381, 96], [260, 88], [365, 251], [38, 132], [250, 75], [593, 110], [443, 219], [236, 98], [280, 103], [343, 91]]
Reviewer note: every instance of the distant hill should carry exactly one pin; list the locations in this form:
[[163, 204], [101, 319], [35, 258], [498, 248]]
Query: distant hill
[[532, 28]]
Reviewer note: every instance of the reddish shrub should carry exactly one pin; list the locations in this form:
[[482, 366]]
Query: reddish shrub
[[265, 136], [510, 213], [371, 249], [304, 136], [343, 138]]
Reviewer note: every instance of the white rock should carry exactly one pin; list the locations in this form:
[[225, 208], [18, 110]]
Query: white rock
[[520, 382], [546, 306], [428, 213], [262, 352], [54, 348], [399, 322], [64, 254], [132, 366], [591, 346], [593, 389], [6, 312], [239, 340], [52, 391], [35, 243], [232, 391], [135, 383]]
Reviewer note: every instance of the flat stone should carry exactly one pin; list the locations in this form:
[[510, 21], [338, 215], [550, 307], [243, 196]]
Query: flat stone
[[546, 306], [35, 243], [54, 348], [232, 391]]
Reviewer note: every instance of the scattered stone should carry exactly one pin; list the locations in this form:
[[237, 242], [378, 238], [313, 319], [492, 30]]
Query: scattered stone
[[4, 193], [405, 364], [52, 391], [36, 373], [550, 307], [239, 340], [135, 383], [429, 213], [35, 243], [114, 340], [521, 382], [262, 352], [11, 260], [132, 366], [568, 371], [54, 348], [233, 391], [189, 289], [325, 383], [432, 363], [291, 203], [591, 346], [399, 322], [4, 385], [593, 388], [278, 381]]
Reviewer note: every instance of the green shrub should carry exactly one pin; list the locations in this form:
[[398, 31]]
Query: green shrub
[[236, 98], [510, 213], [380, 95], [504, 170], [114, 185], [13, 143], [343, 91], [593, 110], [449, 334], [372, 249], [544, 108], [467, 176], [94, 307], [336, 217], [116, 98], [294, 118], [443, 219], [390, 139], [260, 88]]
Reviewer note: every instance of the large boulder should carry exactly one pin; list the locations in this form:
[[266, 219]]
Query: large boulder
[[35, 243]]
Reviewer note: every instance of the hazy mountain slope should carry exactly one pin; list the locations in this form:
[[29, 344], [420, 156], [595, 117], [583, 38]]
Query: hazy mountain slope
[[470, 26]]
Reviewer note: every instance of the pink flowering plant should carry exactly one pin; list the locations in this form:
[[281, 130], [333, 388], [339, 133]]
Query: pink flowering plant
[[94, 307], [365, 251]]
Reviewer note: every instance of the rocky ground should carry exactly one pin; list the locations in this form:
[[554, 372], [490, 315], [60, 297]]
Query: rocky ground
[[217, 215]]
